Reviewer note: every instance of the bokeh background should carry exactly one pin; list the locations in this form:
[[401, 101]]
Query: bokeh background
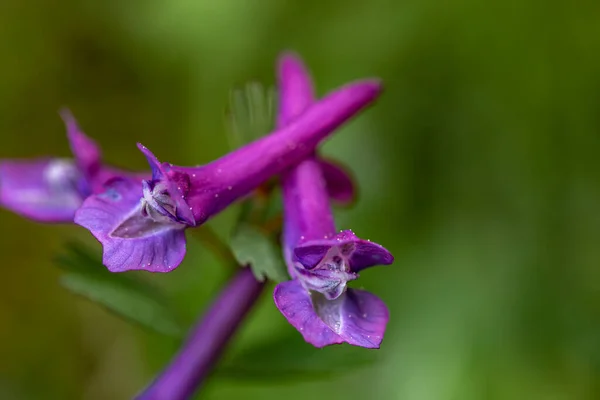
[[478, 169]]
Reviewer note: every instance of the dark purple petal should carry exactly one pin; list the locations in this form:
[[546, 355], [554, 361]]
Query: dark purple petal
[[357, 253], [42, 190], [311, 255], [131, 240], [358, 317], [87, 153], [367, 254], [339, 181], [294, 302]]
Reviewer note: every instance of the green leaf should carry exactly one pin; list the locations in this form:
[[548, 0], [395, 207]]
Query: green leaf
[[252, 247], [119, 293], [289, 358], [251, 113]]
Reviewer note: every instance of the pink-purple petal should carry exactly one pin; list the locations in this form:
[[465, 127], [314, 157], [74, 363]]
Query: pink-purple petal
[[295, 304], [359, 253], [130, 240], [310, 255], [43, 190], [367, 254], [88, 156]]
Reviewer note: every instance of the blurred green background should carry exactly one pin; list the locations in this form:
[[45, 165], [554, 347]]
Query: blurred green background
[[478, 169]]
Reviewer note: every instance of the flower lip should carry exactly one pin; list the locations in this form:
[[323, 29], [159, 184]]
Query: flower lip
[[131, 241], [164, 196], [330, 275], [357, 254], [356, 317]]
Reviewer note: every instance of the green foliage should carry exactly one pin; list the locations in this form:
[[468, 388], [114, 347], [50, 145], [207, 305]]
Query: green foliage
[[253, 248], [120, 293], [289, 358], [251, 113]]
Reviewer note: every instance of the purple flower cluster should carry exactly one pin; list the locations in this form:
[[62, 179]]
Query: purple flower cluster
[[140, 218]]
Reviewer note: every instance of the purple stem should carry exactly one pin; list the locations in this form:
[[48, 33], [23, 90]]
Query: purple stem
[[196, 358]]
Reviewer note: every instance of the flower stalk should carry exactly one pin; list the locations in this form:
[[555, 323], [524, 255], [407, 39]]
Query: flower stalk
[[196, 358]]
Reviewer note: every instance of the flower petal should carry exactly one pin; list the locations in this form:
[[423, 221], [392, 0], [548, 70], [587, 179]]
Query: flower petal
[[88, 158], [311, 253], [131, 240], [42, 190], [295, 304], [340, 182], [157, 168], [358, 317], [359, 253], [295, 88], [368, 254], [87, 153]]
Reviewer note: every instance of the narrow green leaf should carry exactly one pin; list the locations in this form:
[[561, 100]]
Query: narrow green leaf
[[120, 293], [289, 358], [252, 247], [251, 113]]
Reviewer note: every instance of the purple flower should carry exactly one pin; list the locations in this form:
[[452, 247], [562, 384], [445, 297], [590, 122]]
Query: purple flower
[[317, 300], [141, 224], [52, 189]]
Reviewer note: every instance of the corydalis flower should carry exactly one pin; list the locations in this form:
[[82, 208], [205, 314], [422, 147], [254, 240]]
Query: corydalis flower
[[317, 300], [51, 189], [141, 224]]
